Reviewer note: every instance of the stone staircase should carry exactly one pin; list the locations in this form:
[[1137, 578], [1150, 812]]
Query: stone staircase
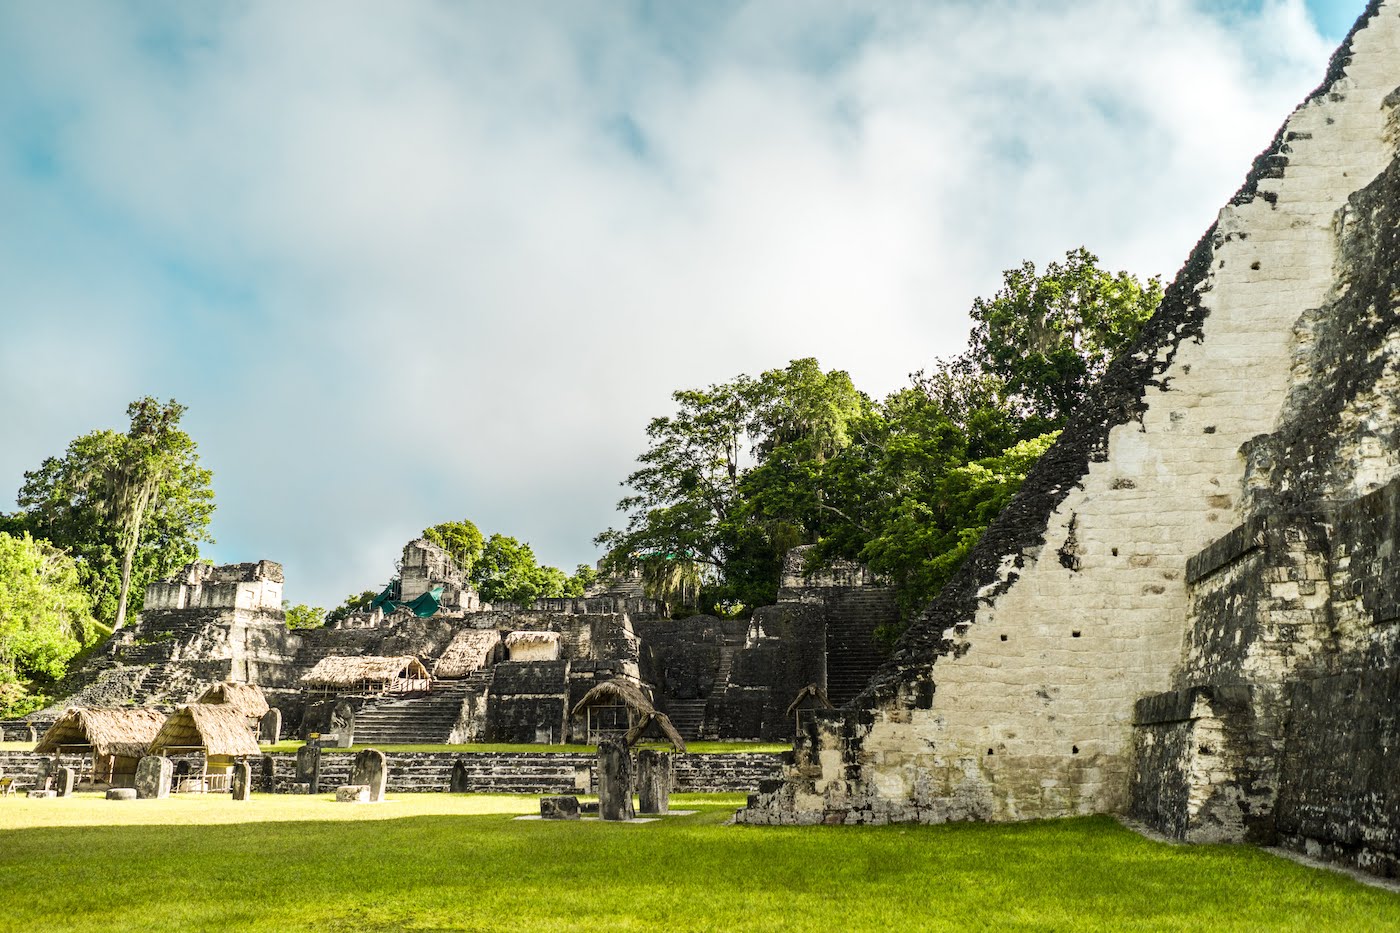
[[688, 716], [414, 719], [853, 654]]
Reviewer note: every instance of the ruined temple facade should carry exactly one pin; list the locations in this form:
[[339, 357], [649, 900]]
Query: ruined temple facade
[[1190, 612], [507, 674]]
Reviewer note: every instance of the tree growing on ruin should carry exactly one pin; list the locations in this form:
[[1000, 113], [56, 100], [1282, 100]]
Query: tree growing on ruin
[[462, 541], [1049, 336], [45, 620], [130, 507]]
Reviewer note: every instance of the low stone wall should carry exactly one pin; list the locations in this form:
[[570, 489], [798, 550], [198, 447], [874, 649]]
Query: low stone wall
[[496, 772]]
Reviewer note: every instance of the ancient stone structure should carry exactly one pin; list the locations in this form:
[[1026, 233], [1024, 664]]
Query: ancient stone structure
[[370, 770], [655, 775], [121, 793], [242, 783], [64, 781], [352, 793], [498, 674], [1187, 613], [308, 768], [270, 727], [614, 780], [153, 776]]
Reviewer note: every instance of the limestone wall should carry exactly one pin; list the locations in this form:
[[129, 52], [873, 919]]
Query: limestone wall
[[1013, 696]]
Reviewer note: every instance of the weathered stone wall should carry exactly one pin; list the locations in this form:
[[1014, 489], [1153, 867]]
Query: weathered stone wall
[[1013, 695]]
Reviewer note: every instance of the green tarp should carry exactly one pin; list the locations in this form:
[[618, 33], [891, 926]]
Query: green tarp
[[422, 607]]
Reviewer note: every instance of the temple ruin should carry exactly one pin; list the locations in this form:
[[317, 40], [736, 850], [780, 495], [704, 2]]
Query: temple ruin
[[1189, 612]]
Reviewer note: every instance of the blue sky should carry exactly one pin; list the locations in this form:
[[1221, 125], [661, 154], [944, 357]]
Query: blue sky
[[432, 261]]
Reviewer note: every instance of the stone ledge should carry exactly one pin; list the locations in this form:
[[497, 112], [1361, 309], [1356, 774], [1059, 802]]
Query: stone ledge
[[1224, 551]]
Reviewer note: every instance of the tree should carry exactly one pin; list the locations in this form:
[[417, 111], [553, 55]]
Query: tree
[[130, 507], [461, 540], [45, 619], [507, 572], [353, 603], [302, 616], [1050, 336]]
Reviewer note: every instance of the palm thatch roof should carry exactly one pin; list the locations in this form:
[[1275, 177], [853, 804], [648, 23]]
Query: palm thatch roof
[[468, 651], [217, 728], [624, 692], [662, 721], [346, 671], [124, 731], [817, 694], [248, 699], [614, 692]]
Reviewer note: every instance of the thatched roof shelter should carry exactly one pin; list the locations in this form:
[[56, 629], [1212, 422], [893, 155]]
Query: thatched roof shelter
[[125, 732], [533, 646], [468, 652], [619, 692], [218, 729], [248, 699], [816, 695], [350, 671]]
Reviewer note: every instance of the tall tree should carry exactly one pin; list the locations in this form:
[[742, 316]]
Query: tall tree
[[130, 507], [461, 540]]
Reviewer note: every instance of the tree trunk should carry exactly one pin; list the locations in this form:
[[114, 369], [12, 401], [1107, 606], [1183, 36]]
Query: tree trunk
[[133, 538]]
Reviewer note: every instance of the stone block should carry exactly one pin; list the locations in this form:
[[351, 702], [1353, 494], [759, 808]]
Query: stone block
[[460, 782], [122, 793], [309, 767], [559, 808], [43, 794], [270, 727], [352, 793], [655, 778], [65, 781], [371, 770], [242, 783], [153, 775], [614, 780]]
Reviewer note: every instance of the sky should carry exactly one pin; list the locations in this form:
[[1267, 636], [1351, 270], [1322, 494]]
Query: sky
[[423, 261]]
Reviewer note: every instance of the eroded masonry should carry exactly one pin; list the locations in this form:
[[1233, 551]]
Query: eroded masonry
[[435, 665], [1190, 613]]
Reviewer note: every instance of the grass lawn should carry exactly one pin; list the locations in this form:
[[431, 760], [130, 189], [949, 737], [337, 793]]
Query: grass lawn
[[437, 862]]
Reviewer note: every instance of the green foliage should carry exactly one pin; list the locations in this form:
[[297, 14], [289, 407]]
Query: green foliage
[[745, 470], [45, 620], [131, 508], [461, 540], [580, 580], [302, 616], [1050, 336], [354, 603]]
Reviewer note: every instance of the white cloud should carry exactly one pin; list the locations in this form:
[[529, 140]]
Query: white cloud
[[446, 261]]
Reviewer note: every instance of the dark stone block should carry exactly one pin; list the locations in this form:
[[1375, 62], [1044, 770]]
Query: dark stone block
[[559, 808]]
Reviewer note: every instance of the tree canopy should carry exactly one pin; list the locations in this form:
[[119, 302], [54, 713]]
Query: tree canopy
[[129, 507], [45, 619], [744, 470]]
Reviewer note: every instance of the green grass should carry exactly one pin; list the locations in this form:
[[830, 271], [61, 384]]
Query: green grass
[[695, 748], [436, 862]]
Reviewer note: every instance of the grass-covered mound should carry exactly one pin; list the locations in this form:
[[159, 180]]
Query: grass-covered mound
[[435, 862]]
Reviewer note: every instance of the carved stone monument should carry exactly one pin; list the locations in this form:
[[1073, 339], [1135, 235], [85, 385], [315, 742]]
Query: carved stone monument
[[614, 780], [352, 793], [65, 781], [309, 767], [655, 774], [122, 793], [460, 782], [370, 770], [270, 727], [242, 781], [153, 774]]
